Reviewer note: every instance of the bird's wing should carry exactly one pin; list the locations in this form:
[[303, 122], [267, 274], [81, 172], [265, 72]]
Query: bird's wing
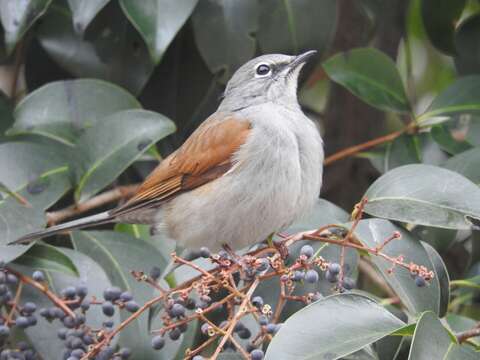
[[206, 155]]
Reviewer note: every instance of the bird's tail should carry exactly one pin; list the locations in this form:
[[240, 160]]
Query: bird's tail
[[88, 221]]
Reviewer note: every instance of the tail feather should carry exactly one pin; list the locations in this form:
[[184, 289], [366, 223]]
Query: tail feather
[[88, 221]]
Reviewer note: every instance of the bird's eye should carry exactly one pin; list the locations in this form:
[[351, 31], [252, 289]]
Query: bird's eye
[[263, 70]]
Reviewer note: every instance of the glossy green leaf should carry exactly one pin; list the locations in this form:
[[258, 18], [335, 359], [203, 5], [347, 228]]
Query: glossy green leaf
[[83, 12], [6, 113], [373, 233], [425, 195], [323, 213], [441, 277], [466, 163], [18, 16], [467, 58], [233, 23], [463, 96], [39, 174], [332, 327], [439, 17], [110, 49], [286, 26], [42, 336], [442, 135], [430, 331], [110, 146], [459, 323], [158, 21], [119, 254], [371, 75], [69, 107], [47, 258]]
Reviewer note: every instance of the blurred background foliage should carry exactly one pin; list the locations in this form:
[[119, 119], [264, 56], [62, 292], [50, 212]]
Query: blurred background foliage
[[96, 92]]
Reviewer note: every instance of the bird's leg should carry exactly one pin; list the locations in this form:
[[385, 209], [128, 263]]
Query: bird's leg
[[279, 245]]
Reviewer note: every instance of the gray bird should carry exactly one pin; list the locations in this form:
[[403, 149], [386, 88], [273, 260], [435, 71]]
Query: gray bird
[[252, 168]]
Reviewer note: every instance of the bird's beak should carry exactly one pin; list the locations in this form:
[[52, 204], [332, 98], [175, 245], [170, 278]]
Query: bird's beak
[[302, 58]]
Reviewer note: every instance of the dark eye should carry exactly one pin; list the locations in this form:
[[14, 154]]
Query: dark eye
[[263, 70]]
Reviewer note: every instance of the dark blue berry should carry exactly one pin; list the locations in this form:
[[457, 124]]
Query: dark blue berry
[[125, 353], [204, 328], [298, 275], [262, 264], [132, 306], [244, 333], [38, 276], [311, 276], [420, 281], [348, 283], [174, 334], [106, 353], [307, 251], [158, 342], [108, 309], [112, 293], [32, 320], [69, 322], [81, 290], [257, 301], [205, 252], [334, 268], [12, 279], [108, 323], [3, 289], [272, 328], [85, 305], [29, 307], [126, 296], [88, 339], [44, 312], [77, 353], [238, 326], [69, 292], [257, 354], [331, 277], [178, 310], [262, 320], [62, 333], [22, 322], [155, 272], [4, 331]]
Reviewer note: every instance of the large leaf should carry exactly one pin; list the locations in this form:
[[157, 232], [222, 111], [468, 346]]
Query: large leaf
[[18, 16], [119, 254], [331, 328], [467, 58], [439, 17], [69, 107], [444, 138], [110, 49], [463, 96], [425, 195], [158, 21], [287, 26], [371, 75], [84, 11], [466, 163], [47, 258], [42, 336], [432, 341], [233, 23], [110, 146], [373, 233], [37, 173]]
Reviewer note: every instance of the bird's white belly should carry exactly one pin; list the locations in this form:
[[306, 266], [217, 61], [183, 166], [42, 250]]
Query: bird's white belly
[[257, 197]]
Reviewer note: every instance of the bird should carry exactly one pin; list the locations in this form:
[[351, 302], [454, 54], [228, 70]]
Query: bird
[[249, 170]]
